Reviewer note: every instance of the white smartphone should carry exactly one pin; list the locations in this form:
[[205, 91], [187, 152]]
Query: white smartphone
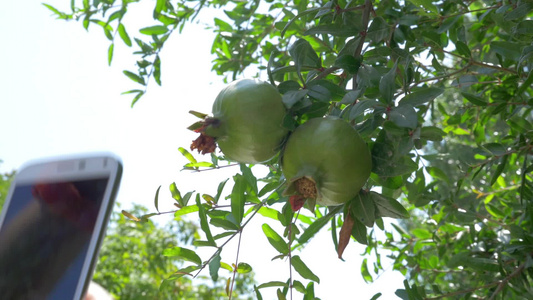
[[52, 224]]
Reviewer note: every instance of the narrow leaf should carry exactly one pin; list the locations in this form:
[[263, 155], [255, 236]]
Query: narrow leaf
[[157, 29], [185, 210], [317, 225], [275, 239], [363, 209], [422, 96], [214, 266], [124, 35], [499, 169], [203, 221], [134, 77], [187, 155], [238, 198], [388, 207], [156, 199], [404, 116], [474, 99], [387, 85], [110, 53], [359, 232], [303, 270], [184, 254], [130, 216]]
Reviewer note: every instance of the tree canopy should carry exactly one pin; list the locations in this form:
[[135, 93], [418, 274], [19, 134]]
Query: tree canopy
[[439, 90]]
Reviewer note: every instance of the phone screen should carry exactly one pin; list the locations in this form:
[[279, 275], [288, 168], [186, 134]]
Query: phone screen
[[45, 237]]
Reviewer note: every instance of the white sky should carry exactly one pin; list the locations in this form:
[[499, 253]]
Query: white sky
[[59, 97]]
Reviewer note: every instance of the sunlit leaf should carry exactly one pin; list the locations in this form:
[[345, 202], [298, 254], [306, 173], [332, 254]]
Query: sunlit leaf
[[183, 253]]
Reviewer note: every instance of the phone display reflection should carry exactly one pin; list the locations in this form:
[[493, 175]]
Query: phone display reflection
[[45, 237]]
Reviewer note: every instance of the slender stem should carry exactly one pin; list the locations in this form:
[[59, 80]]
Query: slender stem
[[445, 75], [236, 266], [290, 259], [216, 168]]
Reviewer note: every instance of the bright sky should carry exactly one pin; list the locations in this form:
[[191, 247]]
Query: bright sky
[[59, 97]]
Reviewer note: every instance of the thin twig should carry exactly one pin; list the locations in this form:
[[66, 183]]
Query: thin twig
[[236, 265]]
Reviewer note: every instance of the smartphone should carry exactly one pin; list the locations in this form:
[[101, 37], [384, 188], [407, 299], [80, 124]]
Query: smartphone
[[52, 224]]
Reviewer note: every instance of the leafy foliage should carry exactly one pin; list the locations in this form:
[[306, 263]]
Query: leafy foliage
[[5, 183], [134, 261], [442, 94]]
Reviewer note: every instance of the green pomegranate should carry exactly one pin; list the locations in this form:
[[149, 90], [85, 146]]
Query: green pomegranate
[[325, 160], [246, 123]]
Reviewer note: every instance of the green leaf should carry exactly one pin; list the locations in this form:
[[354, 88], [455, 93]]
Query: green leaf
[[339, 30], [519, 124], [214, 266], [292, 97], [463, 49], [360, 107], [508, 50], [249, 177], [130, 216], [180, 273], [134, 77], [422, 96], [303, 55], [238, 198], [302, 269], [204, 164], [365, 273], [519, 11], [351, 96], [184, 254], [156, 199], [244, 268], [499, 169], [388, 207], [387, 85], [156, 30], [272, 284], [159, 6], [474, 99], [379, 30], [53, 9], [404, 116], [224, 224], [220, 188], [124, 35], [427, 5], [187, 155], [438, 174], [203, 221], [317, 225], [136, 98], [363, 209], [304, 13], [348, 62], [185, 210], [110, 53], [275, 239], [359, 232], [432, 133], [157, 70]]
